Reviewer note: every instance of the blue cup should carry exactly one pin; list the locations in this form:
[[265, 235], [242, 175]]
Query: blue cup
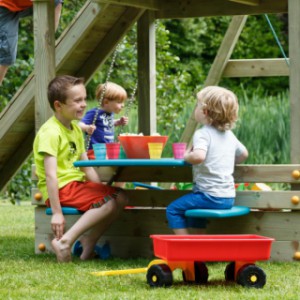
[[122, 153], [99, 151]]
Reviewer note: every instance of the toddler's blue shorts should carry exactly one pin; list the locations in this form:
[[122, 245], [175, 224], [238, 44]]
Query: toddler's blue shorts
[[175, 211]]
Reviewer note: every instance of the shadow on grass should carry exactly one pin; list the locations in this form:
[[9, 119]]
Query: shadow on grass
[[209, 284]]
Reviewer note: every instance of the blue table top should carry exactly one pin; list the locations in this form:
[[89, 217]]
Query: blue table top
[[171, 162]]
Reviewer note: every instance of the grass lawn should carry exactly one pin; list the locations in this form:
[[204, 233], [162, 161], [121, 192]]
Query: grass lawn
[[24, 275]]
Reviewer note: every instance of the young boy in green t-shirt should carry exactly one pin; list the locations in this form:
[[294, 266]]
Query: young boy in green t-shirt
[[59, 143]]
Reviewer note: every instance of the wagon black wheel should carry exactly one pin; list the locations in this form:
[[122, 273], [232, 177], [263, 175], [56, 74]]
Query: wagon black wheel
[[201, 272], [251, 276], [159, 275], [184, 277], [229, 271]]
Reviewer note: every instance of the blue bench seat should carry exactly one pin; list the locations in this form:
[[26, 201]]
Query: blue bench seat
[[235, 211], [65, 210]]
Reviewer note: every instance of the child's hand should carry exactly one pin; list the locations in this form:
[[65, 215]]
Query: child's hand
[[58, 225], [123, 121], [90, 129]]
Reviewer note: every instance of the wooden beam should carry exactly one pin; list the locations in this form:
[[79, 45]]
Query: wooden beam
[[172, 9], [279, 225], [230, 39], [256, 68], [15, 160], [145, 4], [16, 107], [242, 173], [146, 74], [44, 55], [76, 32], [107, 45], [267, 200], [247, 2], [294, 53]]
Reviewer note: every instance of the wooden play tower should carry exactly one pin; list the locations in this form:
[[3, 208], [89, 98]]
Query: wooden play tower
[[86, 44]]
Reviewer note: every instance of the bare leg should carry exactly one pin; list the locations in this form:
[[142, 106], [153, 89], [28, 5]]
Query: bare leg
[[181, 231], [97, 219], [3, 70], [89, 240], [197, 230], [120, 184]]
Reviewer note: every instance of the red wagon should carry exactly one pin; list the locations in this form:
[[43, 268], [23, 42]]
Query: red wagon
[[190, 253]]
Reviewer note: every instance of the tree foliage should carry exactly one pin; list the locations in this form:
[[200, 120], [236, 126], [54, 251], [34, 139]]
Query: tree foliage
[[196, 42]]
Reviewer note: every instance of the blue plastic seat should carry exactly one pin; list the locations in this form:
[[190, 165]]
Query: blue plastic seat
[[65, 210], [235, 211]]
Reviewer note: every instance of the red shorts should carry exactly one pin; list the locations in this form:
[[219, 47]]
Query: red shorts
[[85, 195]]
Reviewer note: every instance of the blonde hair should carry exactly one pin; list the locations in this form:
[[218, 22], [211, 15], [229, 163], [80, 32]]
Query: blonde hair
[[113, 92], [221, 106]]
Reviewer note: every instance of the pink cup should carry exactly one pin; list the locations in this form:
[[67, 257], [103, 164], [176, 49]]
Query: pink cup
[[113, 150], [179, 150]]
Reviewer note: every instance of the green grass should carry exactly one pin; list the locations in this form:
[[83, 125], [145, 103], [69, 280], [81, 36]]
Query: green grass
[[24, 275]]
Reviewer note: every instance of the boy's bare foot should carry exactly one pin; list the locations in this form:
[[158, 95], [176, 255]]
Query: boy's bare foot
[[87, 249], [62, 251]]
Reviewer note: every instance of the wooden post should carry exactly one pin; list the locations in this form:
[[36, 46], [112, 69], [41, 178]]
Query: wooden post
[[294, 53], [146, 74], [44, 55], [215, 74]]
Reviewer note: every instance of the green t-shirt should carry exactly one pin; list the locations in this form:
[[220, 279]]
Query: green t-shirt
[[66, 145]]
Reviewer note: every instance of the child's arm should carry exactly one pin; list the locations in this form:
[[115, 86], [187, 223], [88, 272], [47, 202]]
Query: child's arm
[[195, 157], [122, 121], [89, 129], [90, 173], [57, 220], [239, 159]]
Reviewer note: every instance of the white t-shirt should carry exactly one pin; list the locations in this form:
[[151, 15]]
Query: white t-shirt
[[214, 174]]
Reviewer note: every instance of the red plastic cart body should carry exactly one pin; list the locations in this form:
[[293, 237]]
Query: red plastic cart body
[[212, 247], [190, 252]]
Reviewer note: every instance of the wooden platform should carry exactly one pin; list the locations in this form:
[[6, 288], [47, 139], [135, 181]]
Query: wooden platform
[[273, 214]]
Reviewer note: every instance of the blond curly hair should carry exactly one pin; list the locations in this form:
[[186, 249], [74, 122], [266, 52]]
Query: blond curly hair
[[113, 92], [221, 107]]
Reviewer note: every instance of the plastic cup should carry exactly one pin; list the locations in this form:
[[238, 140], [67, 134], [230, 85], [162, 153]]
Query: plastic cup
[[122, 153], [155, 150], [113, 150], [99, 151], [179, 150]]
